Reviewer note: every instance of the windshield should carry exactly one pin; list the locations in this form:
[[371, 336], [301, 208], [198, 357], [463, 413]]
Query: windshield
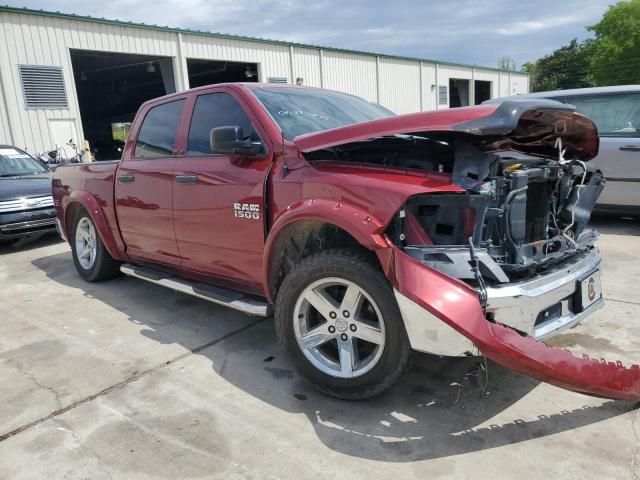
[[304, 110], [15, 163]]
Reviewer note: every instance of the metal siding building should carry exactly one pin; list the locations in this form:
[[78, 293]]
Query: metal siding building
[[46, 39]]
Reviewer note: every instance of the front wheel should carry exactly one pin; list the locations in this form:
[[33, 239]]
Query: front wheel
[[339, 322], [91, 258]]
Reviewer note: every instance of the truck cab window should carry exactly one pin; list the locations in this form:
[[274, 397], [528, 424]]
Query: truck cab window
[[157, 135], [216, 110]]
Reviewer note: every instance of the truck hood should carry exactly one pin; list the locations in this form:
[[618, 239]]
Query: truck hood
[[529, 126]]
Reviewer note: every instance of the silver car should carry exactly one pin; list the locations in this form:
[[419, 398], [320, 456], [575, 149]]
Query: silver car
[[616, 112]]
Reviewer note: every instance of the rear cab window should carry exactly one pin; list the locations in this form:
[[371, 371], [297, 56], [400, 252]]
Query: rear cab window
[[615, 115], [157, 136]]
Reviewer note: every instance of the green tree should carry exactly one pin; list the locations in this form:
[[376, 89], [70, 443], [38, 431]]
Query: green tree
[[566, 67], [615, 51]]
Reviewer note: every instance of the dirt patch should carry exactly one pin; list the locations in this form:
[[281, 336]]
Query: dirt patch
[[582, 340]]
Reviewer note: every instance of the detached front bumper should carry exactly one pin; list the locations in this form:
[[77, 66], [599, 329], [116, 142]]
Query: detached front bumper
[[443, 316], [547, 304]]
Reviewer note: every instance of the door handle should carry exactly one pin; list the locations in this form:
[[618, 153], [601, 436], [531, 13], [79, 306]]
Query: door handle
[[630, 148], [187, 179], [126, 178]]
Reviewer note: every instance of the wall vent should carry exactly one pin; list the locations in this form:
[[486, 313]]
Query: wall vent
[[43, 86], [443, 95]]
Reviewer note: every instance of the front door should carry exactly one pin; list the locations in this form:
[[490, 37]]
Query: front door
[[144, 187], [218, 199]]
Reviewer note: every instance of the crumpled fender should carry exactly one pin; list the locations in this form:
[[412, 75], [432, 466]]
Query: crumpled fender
[[457, 304], [366, 229]]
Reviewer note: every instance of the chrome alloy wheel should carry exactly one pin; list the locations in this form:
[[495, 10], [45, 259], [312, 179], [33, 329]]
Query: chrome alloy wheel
[[339, 327], [86, 246]]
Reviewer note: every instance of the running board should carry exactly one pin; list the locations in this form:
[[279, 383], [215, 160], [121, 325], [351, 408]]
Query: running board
[[210, 293]]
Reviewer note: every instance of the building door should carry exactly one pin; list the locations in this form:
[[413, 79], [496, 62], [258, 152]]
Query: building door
[[458, 93], [64, 132]]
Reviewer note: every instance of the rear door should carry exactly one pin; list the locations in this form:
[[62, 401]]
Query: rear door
[[144, 187], [218, 199], [618, 119]]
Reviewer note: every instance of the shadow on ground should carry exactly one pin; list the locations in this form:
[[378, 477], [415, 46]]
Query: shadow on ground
[[615, 224], [434, 411], [28, 243]]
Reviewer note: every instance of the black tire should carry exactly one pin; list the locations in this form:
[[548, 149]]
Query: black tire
[[104, 266], [355, 267]]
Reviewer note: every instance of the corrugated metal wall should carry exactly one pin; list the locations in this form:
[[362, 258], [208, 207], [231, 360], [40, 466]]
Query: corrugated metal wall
[[401, 85]]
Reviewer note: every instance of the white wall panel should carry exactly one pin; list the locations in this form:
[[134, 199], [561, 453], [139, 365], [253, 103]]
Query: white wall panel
[[272, 60], [350, 73], [306, 64], [47, 39], [519, 84], [400, 85], [42, 40], [429, 87]]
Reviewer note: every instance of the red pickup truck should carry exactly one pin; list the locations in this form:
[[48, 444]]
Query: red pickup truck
[[366, 234]]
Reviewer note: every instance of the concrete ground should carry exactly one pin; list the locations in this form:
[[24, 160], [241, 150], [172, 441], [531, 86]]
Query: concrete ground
[[127, 380]]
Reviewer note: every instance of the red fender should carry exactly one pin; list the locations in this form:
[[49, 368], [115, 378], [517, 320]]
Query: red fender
[[113, 243], [457, 304], [367, 230]]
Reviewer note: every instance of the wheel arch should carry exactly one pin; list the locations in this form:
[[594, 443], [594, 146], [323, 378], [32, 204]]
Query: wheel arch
[[310, 226], [79, 201]]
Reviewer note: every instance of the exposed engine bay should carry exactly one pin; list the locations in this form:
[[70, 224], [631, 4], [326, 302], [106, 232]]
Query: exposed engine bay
[[523, 213]]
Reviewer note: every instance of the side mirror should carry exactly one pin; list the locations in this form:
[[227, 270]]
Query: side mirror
[[230, 140]]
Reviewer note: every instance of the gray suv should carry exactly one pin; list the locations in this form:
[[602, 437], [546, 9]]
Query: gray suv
[[616, 112]]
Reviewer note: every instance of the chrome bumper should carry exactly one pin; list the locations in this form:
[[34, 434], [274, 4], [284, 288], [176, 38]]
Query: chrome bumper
[[544, 306], [517, 305]]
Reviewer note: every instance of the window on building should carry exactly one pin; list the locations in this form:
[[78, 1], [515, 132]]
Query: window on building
[[157, 135], [216, 110]]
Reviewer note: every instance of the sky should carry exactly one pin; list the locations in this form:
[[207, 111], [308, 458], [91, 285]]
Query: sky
[[476, 32]]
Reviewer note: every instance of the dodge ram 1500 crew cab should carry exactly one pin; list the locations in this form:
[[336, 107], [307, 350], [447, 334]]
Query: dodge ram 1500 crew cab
[[456, 232]]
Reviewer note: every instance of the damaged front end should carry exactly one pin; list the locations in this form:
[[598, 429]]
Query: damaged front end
[[504, 265], [523, 220], [524, 263], [506, 260]]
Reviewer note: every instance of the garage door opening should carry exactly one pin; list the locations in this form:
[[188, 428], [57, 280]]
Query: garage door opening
[[482, 91], [111, 87], [207, 72], [458, 92]]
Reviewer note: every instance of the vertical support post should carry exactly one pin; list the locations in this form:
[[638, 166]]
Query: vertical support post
[[377, 79], [181, 70], [321, 59], [437, 88], [293, 80], [472, 87], [421, 86]]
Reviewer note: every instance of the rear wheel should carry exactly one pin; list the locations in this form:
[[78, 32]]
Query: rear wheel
[[338, 320], [90, 257]]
